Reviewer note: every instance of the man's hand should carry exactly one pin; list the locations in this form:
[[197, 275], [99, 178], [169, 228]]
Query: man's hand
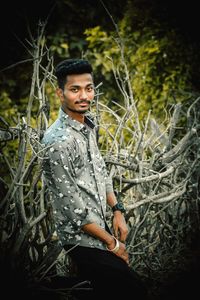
[[120, 228], [120, 252]]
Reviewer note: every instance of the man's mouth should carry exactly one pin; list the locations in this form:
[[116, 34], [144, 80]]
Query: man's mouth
[[83, 102]]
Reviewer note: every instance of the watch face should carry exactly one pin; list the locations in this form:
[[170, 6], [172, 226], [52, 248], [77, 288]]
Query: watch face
[[119, 206]]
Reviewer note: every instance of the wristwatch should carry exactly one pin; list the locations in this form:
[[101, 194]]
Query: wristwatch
[[118, 206]]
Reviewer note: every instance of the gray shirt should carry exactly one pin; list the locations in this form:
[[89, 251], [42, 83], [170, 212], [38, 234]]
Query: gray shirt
[[77, 179]]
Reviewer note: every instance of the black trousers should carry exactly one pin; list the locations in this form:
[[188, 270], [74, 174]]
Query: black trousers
[[108, 275]]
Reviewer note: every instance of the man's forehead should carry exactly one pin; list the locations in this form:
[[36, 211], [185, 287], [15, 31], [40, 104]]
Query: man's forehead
[[79, 79]]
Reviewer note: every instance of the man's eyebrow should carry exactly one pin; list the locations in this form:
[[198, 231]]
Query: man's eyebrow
[[77, 86]]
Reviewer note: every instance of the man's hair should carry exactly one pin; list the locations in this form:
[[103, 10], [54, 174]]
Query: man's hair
[[69, 67]]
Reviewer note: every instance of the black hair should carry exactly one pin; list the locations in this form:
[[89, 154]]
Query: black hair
[[69, 67]]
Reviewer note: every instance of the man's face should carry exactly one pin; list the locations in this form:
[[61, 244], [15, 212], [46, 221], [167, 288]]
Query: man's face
[[78, 93]]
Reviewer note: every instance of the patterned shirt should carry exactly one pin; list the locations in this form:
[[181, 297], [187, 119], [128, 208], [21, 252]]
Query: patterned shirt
[[77, 179]]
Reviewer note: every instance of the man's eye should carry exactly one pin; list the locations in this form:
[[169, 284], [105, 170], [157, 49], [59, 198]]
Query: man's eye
[[90, 89], [74, 90]]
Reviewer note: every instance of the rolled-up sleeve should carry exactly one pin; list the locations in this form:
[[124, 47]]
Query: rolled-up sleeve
[[108, 178], [109, 185]]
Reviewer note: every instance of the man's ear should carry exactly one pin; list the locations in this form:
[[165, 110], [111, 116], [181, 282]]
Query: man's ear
[[59, 93]]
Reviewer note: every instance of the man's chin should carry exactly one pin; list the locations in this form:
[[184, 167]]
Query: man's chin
[[79, 111], [82, 111]]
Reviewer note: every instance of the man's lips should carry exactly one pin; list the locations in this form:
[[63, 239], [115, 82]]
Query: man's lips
[[83, 103]]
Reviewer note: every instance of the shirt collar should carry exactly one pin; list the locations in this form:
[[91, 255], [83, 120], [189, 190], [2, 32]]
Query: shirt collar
[[73, 123]]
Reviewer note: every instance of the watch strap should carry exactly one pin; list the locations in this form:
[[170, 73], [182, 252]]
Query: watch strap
[[118, 206]]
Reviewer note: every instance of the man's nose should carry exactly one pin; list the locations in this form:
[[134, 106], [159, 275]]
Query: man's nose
[[83, 94]]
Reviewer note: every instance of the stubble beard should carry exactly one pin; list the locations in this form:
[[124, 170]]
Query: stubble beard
[[76, 110]]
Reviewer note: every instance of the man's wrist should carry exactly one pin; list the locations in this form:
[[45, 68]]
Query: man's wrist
[[118, 207], [116, 247]]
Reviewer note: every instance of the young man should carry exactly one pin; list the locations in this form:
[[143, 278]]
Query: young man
[[81, 189]]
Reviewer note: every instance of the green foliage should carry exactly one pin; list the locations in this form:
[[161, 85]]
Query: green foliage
[[160, 75], [98, 42], [12, 114], [101, 52], [59, 45], [54, 103], [161, 65], [159, 68], [8, 110]]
